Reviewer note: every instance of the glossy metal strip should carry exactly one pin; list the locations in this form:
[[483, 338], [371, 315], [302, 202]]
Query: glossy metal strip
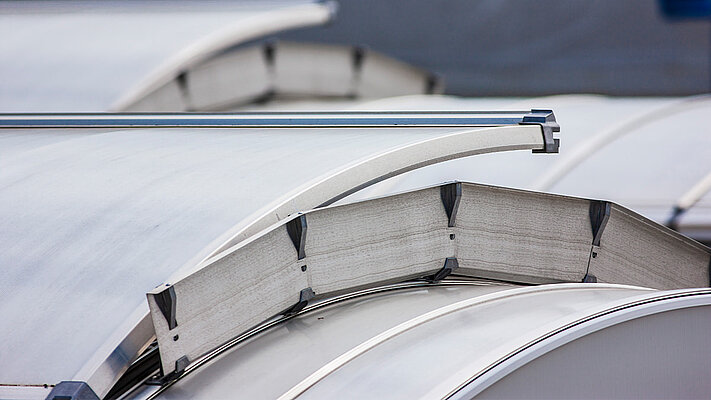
[[263, 120]]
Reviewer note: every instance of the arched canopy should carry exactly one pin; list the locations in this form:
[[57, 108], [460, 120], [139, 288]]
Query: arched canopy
[[644, 153], [100, 209], [83, 56]]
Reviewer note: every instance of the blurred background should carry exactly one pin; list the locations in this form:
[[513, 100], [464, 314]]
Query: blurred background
[[628, 80]]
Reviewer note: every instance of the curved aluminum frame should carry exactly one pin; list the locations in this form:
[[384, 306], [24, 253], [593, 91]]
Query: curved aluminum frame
[[262, 24], [579, 326]]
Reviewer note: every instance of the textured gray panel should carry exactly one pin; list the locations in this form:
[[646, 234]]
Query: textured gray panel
[[313, 69], [634, 250], [499, 233], [393, 238], [236, 293], [231, 78], [522, 236], [382, 76]]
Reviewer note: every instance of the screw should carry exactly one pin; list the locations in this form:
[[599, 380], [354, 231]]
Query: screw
[[175, 338], [303, 268], [594, 254]]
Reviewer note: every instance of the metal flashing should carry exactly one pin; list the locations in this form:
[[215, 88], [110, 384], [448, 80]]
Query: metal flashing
[[451, 196], [546, 119], [599, 215], [72, 390], [450, 264], [296, 228], [304, 296], [166, 301]]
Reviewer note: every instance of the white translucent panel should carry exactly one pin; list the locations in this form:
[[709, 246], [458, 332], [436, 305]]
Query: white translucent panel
[[313, 69], [92, 222], [647, 169], [273, 362], [62, 57], [231, 78], [382, 76], [438, 354], [645, 358], [579, 117]]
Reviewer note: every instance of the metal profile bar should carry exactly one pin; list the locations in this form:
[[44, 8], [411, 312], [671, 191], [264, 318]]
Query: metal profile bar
[[267, 120]]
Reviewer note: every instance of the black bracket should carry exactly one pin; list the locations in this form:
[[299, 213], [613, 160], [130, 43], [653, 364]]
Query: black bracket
[[546, 119], [358, 54], [432, 83], [673, 221], [589, 278], [451, 196], [599, 215], [304, 296], [269, 52], [72, 390], [450, 264], [166, 303], [296, 228], [180, 365]]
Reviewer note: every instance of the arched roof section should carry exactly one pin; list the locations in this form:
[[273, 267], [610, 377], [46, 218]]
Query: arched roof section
[[62, 57], [644, 153], [98, 216]]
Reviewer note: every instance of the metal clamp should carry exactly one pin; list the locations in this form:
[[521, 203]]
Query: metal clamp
[[546, 119]]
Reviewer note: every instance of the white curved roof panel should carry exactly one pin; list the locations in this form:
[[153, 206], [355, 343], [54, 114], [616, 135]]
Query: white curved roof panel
[[95, 217], [465, 339], [61, 56], [644, 153]]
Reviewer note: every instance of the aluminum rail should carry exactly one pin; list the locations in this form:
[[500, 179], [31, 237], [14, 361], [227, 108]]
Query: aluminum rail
[[280, 119]]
